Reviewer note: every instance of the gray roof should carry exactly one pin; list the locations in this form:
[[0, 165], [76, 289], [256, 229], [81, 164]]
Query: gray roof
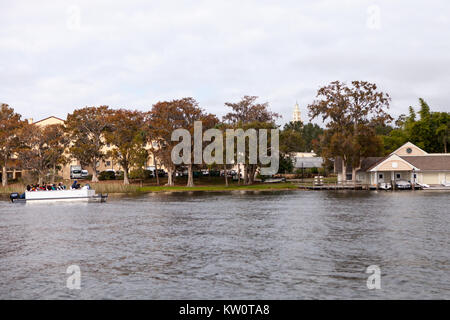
[[308, 162], [366, 164], [430, 163]]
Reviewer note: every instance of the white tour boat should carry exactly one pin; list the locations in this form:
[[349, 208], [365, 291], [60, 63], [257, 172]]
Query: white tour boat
[[83, 194]]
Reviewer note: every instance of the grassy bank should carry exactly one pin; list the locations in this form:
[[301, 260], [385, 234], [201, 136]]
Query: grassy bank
[[274, 186], [119, 187], [17, 187]]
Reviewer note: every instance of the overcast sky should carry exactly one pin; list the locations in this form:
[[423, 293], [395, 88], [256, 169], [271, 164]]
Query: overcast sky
[[55, 56]]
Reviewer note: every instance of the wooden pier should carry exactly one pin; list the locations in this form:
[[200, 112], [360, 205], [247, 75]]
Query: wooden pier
[[331, 186]]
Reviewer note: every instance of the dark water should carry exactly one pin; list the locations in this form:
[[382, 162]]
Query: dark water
[[245, 245]]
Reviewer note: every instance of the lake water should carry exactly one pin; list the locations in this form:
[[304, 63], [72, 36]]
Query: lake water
[[242, 245]]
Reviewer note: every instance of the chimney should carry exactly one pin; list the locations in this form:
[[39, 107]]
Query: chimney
[[30, 120]]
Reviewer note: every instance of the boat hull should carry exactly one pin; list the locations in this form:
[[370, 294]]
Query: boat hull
[[61, 195]]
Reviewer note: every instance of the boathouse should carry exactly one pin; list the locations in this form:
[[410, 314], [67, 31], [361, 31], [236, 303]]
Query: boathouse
[[409, 163]]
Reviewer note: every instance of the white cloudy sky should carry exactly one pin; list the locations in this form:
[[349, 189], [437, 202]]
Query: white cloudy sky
[[56, 56]]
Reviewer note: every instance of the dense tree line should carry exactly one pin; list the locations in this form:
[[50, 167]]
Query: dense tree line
[[428, 130], [130, 135], [357, 125]]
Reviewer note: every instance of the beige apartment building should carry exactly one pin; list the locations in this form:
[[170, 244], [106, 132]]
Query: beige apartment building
[[16, 172]]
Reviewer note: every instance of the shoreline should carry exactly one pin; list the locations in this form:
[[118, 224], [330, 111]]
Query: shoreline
[[114, 188]]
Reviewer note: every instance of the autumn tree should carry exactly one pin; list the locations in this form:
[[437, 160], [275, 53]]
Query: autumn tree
[[86, 128], [191, 112], [248, 114], [127, 136], [351, 113], [161, 121], [57, 141], [10, 125], [35, 154]]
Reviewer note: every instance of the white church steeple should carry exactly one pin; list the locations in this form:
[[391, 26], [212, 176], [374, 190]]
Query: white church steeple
[[296, 116]]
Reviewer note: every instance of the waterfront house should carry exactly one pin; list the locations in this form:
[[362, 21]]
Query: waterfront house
[[409, 162]]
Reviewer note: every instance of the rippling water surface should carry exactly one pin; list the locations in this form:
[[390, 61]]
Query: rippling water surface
[[244, 245]]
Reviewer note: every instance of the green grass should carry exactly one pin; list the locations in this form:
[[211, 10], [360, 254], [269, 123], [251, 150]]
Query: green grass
[[114, 187], [274, 186]]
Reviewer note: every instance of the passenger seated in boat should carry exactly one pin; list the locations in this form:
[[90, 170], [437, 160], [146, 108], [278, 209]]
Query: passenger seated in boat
[[28, 188], [86, 187], [75, 185]]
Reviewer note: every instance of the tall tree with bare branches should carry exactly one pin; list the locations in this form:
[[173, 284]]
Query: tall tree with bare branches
[[10, 125], [127, 136], [248, 114], [86, 128], [351, 113]]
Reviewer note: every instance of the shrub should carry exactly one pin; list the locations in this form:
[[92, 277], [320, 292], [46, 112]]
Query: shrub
[[119, 175], [107, 175], [141, 174]]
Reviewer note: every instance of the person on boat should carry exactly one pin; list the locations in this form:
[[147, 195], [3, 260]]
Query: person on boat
[[86, 187], [75, 185], [28, 187]]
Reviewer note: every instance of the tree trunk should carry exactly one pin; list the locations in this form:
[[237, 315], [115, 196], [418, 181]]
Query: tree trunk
[[94, 172], [4, 176], [251, 173], [169, 177], [245, 173], [190, 182], [40, 179], [125, 176], [344, 169], [156, 173], [239, 174], [54, 173], [225, 173], [354, 172]]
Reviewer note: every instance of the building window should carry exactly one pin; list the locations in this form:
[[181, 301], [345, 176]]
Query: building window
[[108, 163], [398, 176], [409, 150], [380, 176], [415, 176]]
